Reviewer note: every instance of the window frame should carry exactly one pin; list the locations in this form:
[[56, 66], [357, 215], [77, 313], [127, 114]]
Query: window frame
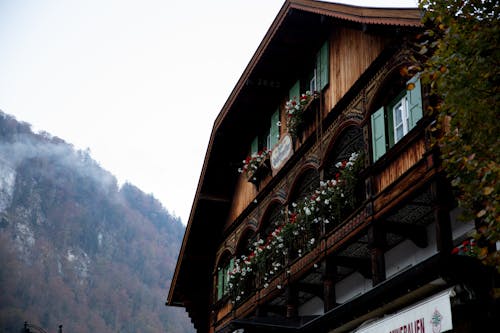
[[405, 118], [383, 120], [222, 283]]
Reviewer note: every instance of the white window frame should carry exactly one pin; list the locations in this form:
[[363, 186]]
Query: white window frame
[[313, 82], [401, 107]]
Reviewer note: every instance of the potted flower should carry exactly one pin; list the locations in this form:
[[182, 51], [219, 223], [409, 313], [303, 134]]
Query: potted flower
[[295, 110], [255, 165], [298, 231]]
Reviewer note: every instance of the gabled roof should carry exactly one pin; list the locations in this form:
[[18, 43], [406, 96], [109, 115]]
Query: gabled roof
[[213, 194]]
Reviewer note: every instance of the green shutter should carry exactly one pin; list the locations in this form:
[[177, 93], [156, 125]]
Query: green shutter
[[414, 97], [220, 283], [378, 134], [275, 130], [295, 91], [254, 148], [227, 269], [322, 70]]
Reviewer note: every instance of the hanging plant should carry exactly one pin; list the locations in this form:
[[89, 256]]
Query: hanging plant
[[297, 234], [294, 111], [255, 162]]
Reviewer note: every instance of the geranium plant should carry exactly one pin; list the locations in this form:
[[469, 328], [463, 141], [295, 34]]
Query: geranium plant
[[253, 162], [295, 109], [298, 231]]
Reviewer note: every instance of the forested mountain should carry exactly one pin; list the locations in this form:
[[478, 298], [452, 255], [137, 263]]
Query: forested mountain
[[75, 248]]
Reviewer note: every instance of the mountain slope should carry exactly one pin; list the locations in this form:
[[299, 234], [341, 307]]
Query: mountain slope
[[75, 249]]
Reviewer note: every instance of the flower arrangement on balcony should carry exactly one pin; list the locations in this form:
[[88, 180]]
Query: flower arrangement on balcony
[[298, 231], [294, 111], [253, 163], [469, 248]]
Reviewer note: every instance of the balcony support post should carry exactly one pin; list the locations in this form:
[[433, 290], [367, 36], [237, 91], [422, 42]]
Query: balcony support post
[[377, 244], [292, 298], [440, 193], [329, 297]]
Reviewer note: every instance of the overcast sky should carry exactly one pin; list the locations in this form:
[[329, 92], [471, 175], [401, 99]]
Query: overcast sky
[[139, 82]]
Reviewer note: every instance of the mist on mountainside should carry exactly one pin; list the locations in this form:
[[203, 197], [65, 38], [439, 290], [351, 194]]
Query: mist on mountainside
[[75, 248]]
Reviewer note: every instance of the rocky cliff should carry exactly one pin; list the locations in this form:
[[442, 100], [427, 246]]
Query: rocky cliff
[[75, 248]]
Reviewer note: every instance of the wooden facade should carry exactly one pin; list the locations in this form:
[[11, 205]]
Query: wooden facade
[[386, 246]]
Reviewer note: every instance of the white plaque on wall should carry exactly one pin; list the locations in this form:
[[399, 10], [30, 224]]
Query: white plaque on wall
[[281, 153]]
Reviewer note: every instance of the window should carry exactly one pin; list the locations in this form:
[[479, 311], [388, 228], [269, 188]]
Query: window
[[312, 81], [269, 138], [322, 68], [318, 77], [274, 131], [223, 278], [392, 122], [399, 113], [294, 91]]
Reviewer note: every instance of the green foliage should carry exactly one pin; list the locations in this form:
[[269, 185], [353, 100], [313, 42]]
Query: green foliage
[[461, 48]]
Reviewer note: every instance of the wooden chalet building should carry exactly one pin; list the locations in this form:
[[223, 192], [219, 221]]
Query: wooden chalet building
[[321, 206]]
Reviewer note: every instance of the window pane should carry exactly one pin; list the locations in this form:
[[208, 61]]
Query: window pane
[[399, 133], [398, 110]]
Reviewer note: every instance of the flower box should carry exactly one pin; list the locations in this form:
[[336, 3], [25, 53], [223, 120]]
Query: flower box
[[295, 111], [256, 166]]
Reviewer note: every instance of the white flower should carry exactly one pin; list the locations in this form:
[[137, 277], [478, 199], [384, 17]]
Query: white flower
[[312, 241], [278, 286], [266, 285], [307, 211]]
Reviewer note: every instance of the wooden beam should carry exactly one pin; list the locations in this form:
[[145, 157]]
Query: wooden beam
[[329, 276], [377, 242], [214, 198], [440, 195]]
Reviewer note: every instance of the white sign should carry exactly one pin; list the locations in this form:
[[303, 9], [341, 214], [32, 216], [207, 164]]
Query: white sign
[[432, 315], [281, 153]]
